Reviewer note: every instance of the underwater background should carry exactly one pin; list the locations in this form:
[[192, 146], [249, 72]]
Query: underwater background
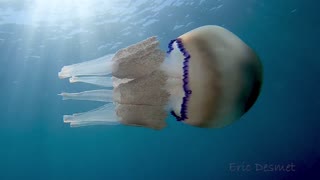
[[38, 37]]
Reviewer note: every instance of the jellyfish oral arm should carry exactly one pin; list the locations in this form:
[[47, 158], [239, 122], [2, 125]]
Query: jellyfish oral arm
[[136, 97]]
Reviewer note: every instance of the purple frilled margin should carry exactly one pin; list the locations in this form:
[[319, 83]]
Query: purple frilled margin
[[187, 90]]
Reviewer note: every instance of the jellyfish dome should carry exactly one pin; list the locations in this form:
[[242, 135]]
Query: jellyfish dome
[[207, 78]]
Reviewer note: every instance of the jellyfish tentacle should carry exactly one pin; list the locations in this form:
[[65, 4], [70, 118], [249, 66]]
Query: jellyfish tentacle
[[102, 95], [95, 80], [97, 67], [102, 115], [117, 81]]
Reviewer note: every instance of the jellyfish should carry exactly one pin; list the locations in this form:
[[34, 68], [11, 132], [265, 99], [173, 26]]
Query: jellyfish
[[207, 78]]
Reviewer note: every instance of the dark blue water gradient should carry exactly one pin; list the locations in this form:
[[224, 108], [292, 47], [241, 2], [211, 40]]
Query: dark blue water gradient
[[281, 128]]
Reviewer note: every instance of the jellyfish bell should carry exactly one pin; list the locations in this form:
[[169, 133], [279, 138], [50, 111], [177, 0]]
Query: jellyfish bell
[[221, 78], [207, 78]]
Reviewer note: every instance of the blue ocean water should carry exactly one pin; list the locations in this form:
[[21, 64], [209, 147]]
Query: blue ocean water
[[38, 37]]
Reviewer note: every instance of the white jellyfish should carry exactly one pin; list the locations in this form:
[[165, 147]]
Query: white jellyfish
[[208, 78]]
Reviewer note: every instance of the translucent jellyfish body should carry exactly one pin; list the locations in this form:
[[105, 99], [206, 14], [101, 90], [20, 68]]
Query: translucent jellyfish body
[[207, 78]]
